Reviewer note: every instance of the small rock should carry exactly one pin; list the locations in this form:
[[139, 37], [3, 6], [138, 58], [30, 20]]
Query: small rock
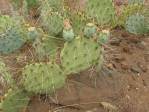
[[119, 58], [141, 45], [108, 106], [143, 67], [124, 65], [115, 42], [136, 69]]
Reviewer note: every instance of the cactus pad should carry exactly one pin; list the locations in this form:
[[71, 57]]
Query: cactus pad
[[51, 21], [15, 101], [136, 24], [102, 11], [56, 5], [79, 55], [136, 1], [12, 35], [43, 78], [47, 46]]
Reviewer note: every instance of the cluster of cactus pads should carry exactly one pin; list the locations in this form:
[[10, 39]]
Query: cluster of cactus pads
[[79, 49]]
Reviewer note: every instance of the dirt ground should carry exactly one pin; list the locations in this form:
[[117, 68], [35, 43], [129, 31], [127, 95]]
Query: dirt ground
[[122, 85]]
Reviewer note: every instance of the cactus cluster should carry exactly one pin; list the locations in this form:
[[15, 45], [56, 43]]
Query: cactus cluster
[[80, 50]]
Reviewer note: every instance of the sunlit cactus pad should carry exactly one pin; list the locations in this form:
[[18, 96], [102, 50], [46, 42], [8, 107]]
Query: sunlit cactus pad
[[79, 55], [43, 78], [15, 101]]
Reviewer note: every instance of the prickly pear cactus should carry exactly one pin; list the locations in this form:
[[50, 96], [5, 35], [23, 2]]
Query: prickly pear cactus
[[12, 35], [68, 33], [102, 11], [47, 47], [56, 5], [136, 1], [78, 21], [90, 30], [128, 11], [52, 22], [43, 78], [79, 55], [15, 101], [32, 3], [104, 36], [136, 24], [34, 33]]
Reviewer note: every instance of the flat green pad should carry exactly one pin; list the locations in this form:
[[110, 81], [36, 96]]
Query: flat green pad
[[102, 11], [15, 101], [79, 55], [43, 78], [136, 24]]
